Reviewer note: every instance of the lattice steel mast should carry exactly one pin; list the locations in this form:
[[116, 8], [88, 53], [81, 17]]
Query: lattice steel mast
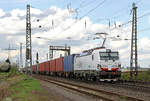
[[134, 58], [21, 60], [28, 41]]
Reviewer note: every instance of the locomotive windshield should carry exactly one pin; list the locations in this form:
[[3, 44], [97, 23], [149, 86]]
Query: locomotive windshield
[[109, 55]]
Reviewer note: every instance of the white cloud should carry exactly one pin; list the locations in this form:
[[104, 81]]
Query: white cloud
[[144, 44], [18, 12], [2, 13], [35, 11], [55, 25]]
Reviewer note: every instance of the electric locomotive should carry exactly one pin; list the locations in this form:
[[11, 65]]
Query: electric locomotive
[[98, 64]]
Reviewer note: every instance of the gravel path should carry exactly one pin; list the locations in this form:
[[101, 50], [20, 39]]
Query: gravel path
[[58, 93]]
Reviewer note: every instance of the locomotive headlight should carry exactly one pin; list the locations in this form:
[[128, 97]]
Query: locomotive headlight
[[98, 66]]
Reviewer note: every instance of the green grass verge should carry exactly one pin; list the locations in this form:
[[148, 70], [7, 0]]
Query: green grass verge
[[22, 87], [13, 72], [142, 76], [27, 89]]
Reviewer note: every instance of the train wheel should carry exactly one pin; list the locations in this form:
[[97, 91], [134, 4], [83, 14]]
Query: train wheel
[[94, 79]]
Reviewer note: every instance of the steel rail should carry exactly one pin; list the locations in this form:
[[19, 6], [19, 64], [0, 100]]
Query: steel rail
[[105, 95]]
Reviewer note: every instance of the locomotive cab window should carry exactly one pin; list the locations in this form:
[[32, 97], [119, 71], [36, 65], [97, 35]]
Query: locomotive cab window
[[109, 55]]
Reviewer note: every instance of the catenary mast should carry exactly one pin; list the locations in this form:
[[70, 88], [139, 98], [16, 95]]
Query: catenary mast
[[134, 58], [28, 42]]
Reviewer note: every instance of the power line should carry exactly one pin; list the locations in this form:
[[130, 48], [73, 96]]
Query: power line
[[94, 8], [85, 15], [122, 9], [146, 29], [144, 15], [118, 13], [104, 19], [131, 21], [85, 5]]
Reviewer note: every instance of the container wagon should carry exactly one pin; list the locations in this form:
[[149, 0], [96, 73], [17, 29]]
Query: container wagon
[[47, 67], [69, 66], [34, 69], [41, 68], [53, 67], [59, 66]]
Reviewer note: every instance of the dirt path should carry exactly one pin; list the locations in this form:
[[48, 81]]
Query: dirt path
[[58, 93]]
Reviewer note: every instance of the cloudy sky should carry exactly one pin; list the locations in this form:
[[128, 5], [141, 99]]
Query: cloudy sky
[[74, 22]]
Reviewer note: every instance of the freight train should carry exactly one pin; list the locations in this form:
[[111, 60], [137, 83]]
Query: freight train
[[97, 64]]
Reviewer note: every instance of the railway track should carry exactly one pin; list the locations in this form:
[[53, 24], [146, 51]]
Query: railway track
[[132, 85], [136, 82], [140, 86], [135, 85], [102, 94]]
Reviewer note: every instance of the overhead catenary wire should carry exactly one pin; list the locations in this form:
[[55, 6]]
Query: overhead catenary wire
[[117, 26], [115, 15], [144, 15], [145, 29], [142, 30], [99, 4], [60, 15], [85, 5], [84, 14]]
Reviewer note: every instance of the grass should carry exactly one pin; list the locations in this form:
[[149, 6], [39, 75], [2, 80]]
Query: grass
[[4, 79], [11, 73], [142, 76], [25, 89], [21, 88], [123, 97]]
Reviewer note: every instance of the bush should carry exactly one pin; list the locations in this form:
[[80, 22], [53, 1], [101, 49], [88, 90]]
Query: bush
[[148, 72], [125, 76], [13, 71], [142, 76]]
